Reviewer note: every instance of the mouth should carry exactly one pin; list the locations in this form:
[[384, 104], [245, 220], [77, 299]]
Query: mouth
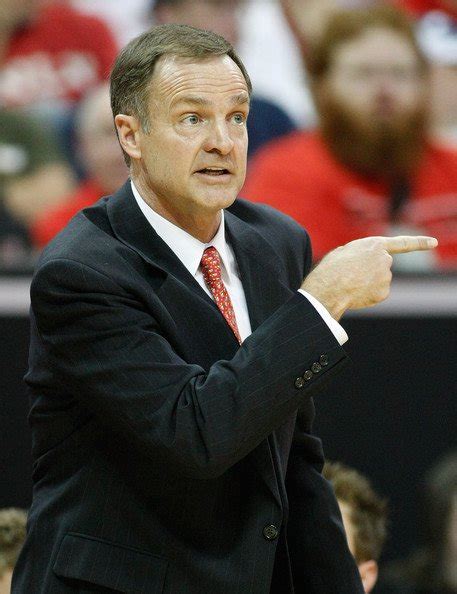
[[213, 171]]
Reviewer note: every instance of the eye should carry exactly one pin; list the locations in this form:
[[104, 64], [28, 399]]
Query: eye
[[239, 118], [191, 119]]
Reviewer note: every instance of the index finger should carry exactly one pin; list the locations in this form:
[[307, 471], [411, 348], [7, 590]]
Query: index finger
[[402, 244]]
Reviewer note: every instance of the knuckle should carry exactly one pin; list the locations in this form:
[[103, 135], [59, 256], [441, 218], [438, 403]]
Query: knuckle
[[377, 244]]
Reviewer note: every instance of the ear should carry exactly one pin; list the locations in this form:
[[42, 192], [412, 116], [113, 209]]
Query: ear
[[369, 573], [128, 130]]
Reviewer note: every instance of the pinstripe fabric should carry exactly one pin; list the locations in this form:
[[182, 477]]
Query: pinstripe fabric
[[162, 448]]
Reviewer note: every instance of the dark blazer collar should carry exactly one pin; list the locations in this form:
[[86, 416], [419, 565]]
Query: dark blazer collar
[[260, 269], [258, 263], [131, 227]]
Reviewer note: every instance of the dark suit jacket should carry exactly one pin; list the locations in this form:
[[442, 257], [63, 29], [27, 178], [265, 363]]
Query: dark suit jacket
[[168, 458]]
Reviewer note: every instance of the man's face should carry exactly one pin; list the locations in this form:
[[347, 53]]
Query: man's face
[[193, 160], [376, 76], [373, 105], [346, 516]]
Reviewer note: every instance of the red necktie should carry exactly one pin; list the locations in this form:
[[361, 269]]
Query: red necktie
[[212, 273]]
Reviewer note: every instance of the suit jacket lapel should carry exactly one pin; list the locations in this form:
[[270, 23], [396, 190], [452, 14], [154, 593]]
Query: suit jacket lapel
[[179, 287], [131, 227], [260, 269]]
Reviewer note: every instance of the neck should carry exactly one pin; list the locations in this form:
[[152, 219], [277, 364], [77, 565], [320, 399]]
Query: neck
[[202, 226]]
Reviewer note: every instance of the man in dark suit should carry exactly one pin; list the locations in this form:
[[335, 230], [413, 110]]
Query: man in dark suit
[[173, 361]]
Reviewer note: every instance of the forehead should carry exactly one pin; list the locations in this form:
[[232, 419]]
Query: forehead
[[378, 45], [175, 76]]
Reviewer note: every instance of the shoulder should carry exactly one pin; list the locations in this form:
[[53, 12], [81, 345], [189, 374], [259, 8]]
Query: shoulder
[[262, 215], [438, 167], [441, 151], [298, 141], [86, 237]]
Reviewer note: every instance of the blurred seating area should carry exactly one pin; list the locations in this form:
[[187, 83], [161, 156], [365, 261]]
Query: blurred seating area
[[353, 132], [343, 161]]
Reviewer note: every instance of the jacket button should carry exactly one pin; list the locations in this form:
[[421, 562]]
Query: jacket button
[[299, 382], [316, 367], [270, 532], [323, 360], [307, 375]]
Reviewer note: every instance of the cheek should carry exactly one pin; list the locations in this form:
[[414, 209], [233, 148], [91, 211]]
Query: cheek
[[351, 94], [411, 96]]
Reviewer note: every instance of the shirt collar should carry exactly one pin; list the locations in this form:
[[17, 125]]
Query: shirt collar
[[186, 247]]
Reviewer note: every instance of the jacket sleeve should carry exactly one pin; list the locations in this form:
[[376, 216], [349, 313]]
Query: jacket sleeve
[[109, 353]]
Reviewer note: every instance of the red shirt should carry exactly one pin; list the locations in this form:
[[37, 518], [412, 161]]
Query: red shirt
[[54, 220], [421, 7], [299, 176], [59, 55]]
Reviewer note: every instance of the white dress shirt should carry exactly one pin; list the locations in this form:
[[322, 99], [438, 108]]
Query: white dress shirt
[[190, 251]]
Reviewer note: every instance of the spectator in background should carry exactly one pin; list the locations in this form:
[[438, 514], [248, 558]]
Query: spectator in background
[[101, 159], [126, 20], [308, 18], [33, 177], [432, 569], [371, 167], [437, 32], [50, 56], [422, 7], [12, 536], [364, 517], [266, 120]]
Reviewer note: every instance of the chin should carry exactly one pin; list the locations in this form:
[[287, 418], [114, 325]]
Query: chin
[[220, 199]]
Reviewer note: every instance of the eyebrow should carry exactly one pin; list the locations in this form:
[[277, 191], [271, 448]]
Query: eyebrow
[[240, 99]]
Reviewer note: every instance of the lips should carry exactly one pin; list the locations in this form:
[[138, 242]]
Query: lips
[[213, 171]]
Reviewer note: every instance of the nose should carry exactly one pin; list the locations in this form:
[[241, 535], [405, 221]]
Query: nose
[[219, 139]]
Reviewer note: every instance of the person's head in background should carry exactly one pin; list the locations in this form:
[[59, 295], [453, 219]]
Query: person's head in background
[[12, 534], [370, 83], [432, 568], [14, 12], [97, 147], [437, 34], [441, 523], [364, 517], [307, 18], [220, 16]]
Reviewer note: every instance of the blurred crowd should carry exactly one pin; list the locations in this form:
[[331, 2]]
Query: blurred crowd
[[352, 129]]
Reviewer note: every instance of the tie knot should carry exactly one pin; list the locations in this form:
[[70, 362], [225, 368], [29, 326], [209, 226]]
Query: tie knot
[[211, 263]]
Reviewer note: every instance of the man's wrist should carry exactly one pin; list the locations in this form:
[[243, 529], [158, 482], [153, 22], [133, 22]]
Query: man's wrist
[[337, 330], [335, 307]]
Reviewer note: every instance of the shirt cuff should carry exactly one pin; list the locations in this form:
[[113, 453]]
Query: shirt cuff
[[336, 329]]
